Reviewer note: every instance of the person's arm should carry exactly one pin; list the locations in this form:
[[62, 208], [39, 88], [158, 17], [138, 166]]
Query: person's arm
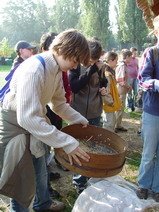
[[108, 77], [120, 75], [30, 114], [79, 81], [137, 64], [147, 72]]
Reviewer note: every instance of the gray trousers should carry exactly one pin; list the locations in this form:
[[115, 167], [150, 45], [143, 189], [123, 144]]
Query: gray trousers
[[119, 114]]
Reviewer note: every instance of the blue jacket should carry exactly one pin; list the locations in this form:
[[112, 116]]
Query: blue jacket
[[149, 80]]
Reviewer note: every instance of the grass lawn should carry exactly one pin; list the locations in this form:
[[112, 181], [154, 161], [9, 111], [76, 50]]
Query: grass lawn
[[3, 72], [5, 68]]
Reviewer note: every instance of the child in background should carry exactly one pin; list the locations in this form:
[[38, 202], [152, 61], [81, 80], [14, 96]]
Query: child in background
[[122, 86], [132, 77], [110, 60]]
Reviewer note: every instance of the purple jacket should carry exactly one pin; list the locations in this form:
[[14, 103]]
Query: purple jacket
[[149, 80]]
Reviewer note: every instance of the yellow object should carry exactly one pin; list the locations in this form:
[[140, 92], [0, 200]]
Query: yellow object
[[114, 93]]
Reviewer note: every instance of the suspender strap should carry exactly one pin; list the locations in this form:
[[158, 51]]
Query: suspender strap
[[41, 60]]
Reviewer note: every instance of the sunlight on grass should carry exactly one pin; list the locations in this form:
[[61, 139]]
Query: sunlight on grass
[[5, 68], [134, 159], [134, 114], [3, 72], [3, 208], [131, 167], [70, 200]]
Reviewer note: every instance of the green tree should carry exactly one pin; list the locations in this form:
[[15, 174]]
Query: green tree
[[122, 26], [18, 20], [132, 30], [42, 18], [95, 20], [25, 20], [5, 49], [65, 14]]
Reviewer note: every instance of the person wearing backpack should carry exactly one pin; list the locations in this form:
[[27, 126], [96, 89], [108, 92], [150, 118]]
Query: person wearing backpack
[[24, 127], [148, 179]]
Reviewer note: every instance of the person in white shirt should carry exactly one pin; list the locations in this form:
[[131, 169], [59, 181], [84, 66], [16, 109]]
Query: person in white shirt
[[35, 83]]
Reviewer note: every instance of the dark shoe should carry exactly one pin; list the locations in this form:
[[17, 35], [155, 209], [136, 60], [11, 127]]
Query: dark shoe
[[120, 129], [132, 108], [156, 197], [54, 176], [56, 206], [80, 189], [139, 132], [53, 193], [142, 193]]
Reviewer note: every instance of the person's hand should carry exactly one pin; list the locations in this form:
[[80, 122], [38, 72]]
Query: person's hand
[[76, 154], [81, 120], [103, 91], [99, 64], [85, 125]]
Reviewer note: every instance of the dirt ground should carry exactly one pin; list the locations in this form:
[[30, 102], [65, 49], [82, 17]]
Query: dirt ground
[[64, 184], [131, 136]]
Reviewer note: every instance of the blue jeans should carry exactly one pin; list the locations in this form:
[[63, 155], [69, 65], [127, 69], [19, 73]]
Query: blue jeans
[[42, 197], [95, 121], [149, 167], [131, 96], [79, 180]]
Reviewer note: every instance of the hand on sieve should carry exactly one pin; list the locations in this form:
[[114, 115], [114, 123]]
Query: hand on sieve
[[77, 154]]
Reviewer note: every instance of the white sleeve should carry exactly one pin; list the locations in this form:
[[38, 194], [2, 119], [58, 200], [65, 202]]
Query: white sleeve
[[31, 117]]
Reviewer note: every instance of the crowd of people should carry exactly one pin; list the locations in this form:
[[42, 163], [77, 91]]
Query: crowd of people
[[72, 79]]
